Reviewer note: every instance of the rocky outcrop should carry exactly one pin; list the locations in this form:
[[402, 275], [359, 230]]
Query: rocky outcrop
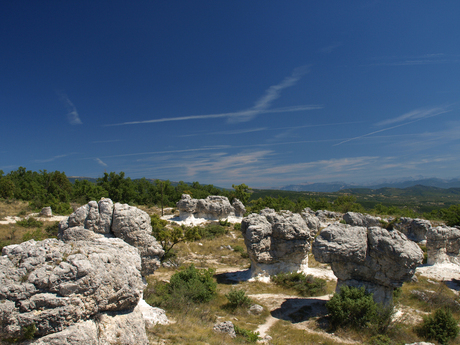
[[83, 292], [415, 229], [132, 225], [213, 207], [276, 242], [443, 245], [312, 221], [376, 258], [359, 219], [225, 327]]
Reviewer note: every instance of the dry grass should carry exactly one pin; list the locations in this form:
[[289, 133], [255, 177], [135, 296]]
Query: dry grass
[[13, 208]]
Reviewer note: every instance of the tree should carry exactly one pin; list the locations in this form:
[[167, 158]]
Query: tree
[[241, 192], [6, 188]]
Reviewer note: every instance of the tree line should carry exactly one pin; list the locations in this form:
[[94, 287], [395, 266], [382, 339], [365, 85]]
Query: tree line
[[54, 189]]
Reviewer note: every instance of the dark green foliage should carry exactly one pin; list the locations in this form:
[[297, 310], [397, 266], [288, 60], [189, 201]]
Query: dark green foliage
[[195, 285], [304, 285], [237, 298], [347, 203], [441, 327], [237, 226], [241, 193], [29, 331], [52, 230], [355, 308], [6, 188], [380, 339], [169, 237], [250, 335], [450, 215], [188, 286], [30, 222]]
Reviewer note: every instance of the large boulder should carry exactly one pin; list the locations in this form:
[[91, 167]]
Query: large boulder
[[360, 219], [276, 242], [72, 293], [376, 258], [132, 225], [443, 245], [415, 229], [214, 207]]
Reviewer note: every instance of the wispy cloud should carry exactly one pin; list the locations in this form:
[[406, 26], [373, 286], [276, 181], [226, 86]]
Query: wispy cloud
[[261, 106], [72, 114], [427, 59], [100, 162], [51, 159], [410, 117], [416, 114]]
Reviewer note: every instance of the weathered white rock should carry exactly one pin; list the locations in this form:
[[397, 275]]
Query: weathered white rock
[[276, 242], [57, 286], [414, 229], [226, 328], [212, 208], [46, 212], [312, 221], [443, 245], [376, 258], [359, 219], [129, 223], [152, 315]]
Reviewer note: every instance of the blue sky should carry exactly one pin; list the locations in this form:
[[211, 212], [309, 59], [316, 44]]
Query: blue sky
[[267, 93]]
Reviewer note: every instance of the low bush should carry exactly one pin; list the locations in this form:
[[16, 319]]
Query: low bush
[[211, 231], [441, 327], [304, 285], [37, 235], [355, 308], [188, 286], [30, 222], [250, 335], [237, 298], [52, 230], [237, 226]]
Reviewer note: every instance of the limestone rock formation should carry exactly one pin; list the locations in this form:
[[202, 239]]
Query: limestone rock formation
[[129, 223], [214, 207], [83, 292], [359, 219], [443, 245], [376, 258], [414, 229], [46, 212], [312, 221], [276, 242]]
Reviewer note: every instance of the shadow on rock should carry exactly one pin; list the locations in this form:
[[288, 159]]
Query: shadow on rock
[[298, 310]]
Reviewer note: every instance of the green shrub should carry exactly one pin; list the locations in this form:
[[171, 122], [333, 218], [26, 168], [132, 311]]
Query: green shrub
[[188, 286], [355, 308], [238, 249], [211, 231], [224, 222], [250, 335], [441, 327], [30, 222], [304, 285], [237, 226], [237, 298]]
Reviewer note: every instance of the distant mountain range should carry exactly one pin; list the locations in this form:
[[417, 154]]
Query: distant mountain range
[[338, 186]]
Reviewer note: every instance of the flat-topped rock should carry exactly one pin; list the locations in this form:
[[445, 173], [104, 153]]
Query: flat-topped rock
[[214, 207], [379, 259]]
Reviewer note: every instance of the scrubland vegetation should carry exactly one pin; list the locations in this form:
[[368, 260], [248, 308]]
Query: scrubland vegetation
[[194, 285]]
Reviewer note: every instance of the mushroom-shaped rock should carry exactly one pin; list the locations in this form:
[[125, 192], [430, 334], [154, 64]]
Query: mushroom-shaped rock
[[376, 258], [276, 242], [132, 225], [443, 245], [56, 286]]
